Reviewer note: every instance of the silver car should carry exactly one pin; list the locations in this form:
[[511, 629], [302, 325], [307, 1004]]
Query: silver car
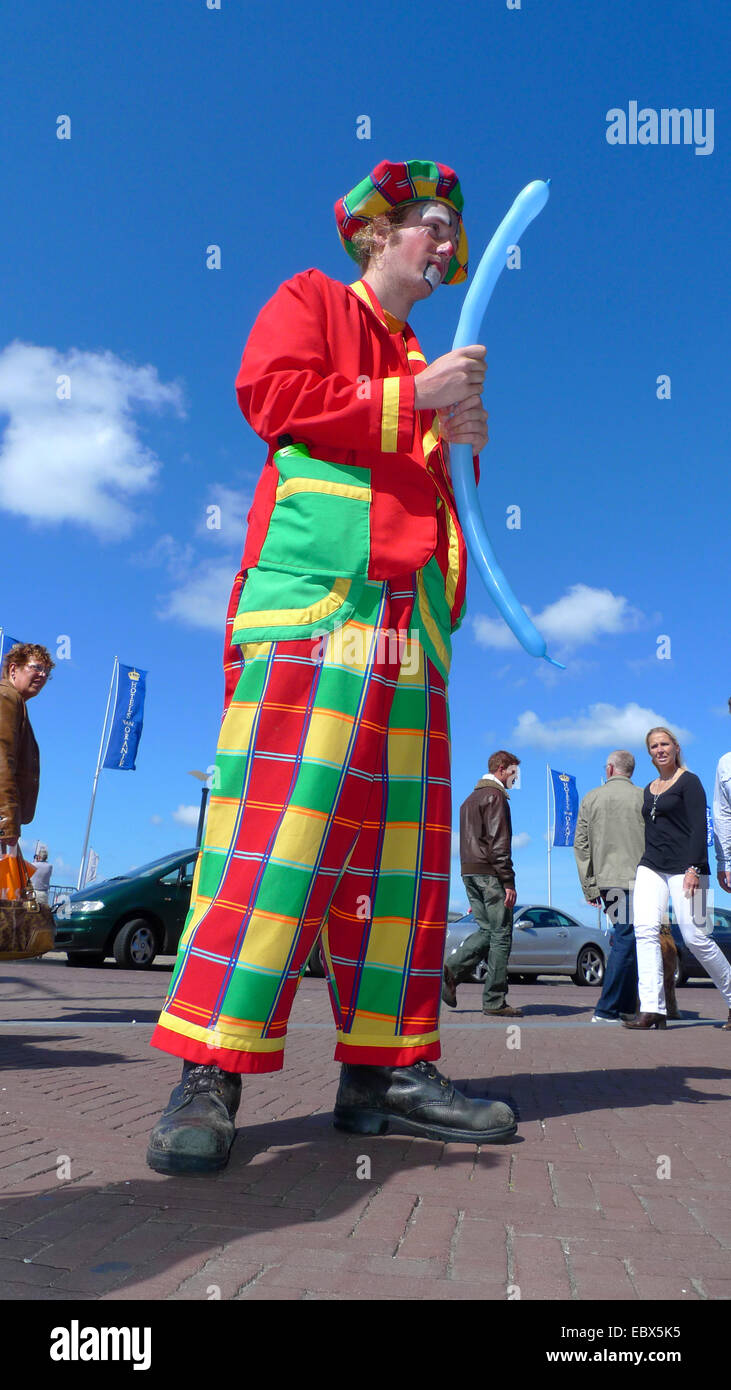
[[545, 942]]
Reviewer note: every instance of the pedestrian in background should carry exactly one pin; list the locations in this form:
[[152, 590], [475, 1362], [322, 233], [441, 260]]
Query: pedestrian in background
[[675, 865], [485, 837], [25, 671], [608, 844], [722, 819], [42, 874]]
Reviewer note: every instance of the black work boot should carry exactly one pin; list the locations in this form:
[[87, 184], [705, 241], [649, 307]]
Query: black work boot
[[417, 1100], [196, 1130]]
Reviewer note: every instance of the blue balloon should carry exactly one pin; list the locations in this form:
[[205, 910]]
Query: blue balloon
[[527, 205]]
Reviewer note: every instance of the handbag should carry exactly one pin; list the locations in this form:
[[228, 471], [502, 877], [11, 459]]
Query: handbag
[[11, 881], [27, 927]]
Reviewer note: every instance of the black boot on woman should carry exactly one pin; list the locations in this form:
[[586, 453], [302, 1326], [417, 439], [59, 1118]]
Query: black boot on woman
[[647, 1021]]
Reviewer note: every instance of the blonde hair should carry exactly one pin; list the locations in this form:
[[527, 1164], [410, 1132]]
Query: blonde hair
[[366, 242], [660, 729]]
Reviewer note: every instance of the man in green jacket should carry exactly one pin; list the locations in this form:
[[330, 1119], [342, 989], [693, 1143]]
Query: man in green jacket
[[608, 844]]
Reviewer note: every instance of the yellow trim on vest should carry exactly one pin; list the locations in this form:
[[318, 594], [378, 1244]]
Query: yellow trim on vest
[[389, 415], [450, 583], [362, 292], [415, 356], [359, 493], [431, 438], [430, 624], [296, 617]]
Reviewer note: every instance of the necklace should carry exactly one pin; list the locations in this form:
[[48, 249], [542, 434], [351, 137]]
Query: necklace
[[655, 795]]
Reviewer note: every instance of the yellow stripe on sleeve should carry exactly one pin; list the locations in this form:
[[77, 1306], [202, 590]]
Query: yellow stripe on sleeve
[[389, 415]]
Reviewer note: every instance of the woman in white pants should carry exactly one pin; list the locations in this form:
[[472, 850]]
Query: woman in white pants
[[675, 865]]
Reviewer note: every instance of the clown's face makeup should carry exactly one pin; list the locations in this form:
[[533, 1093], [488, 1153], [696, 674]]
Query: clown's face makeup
[[438, 226], [414, 257]]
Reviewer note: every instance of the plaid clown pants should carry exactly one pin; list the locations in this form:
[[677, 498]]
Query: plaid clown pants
[[330, 813]]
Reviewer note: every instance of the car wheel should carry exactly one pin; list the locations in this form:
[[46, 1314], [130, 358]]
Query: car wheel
[[85, 957], [135, 945], [479, 972], [679, 976], [589, 966]]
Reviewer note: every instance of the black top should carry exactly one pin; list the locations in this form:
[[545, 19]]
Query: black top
[[678, 836]]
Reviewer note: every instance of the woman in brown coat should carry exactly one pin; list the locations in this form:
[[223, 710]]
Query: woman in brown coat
[[26, 669]]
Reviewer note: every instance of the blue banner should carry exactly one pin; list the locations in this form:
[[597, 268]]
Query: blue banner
[[6, 643], [126, 726], [566, 803]]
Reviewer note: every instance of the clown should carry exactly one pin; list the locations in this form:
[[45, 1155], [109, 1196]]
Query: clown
[[330, 812]]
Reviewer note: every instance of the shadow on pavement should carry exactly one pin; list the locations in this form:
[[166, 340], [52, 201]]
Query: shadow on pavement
[[528, 1011], [70, 1015], [97, 1240], [21, 985], [26, 1053], [543, 1095]]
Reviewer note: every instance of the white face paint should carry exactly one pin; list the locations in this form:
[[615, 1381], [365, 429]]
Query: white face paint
[[441, 213], [443, 224]]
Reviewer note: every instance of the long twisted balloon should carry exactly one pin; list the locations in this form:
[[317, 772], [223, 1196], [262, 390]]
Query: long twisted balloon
[[527, 205]]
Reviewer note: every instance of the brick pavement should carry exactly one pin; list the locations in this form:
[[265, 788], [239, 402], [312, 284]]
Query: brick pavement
[[616, 1187]]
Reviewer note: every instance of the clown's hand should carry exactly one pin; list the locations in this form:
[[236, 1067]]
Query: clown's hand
[[465, 424], [451, 379]]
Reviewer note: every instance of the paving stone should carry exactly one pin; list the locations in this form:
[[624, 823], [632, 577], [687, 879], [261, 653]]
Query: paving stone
[[540, 1269]]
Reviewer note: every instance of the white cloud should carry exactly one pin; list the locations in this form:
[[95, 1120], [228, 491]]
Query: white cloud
[[202, 600], [187, 815], [604, 726], [582, 615], [166, 552], [521, 840], [78, 459], [157, 820]]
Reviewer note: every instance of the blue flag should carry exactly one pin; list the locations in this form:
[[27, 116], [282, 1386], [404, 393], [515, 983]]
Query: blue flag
[[709, 823], [566, 802], [6, 643], [126, 726]]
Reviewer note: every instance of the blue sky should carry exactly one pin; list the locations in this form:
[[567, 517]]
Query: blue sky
[[237, 127]]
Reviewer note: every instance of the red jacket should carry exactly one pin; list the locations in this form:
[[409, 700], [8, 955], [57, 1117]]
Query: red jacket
[[324, 366]]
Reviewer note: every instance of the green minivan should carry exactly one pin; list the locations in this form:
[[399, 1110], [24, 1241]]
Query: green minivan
[[133, 917]]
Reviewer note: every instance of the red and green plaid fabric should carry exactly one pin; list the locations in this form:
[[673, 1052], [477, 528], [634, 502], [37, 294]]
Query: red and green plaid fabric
[[331, 804]]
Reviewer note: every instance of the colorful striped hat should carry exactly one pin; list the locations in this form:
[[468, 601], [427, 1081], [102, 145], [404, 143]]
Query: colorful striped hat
[[392, 183]]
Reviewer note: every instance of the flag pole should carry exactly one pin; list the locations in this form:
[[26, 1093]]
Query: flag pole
[[548, 824], [115, 677]]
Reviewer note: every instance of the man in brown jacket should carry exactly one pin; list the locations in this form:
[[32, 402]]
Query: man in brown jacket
[[485, 835], [26, 669]]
